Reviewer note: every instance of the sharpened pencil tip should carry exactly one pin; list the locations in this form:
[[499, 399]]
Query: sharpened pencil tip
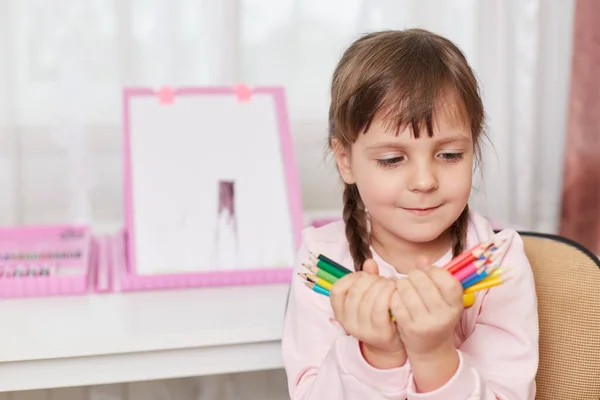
[[499, 243]]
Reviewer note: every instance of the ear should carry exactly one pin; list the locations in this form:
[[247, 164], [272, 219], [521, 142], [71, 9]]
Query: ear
[[343, 156]]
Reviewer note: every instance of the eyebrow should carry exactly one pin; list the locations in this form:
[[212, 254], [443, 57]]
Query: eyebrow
[[438, 142]]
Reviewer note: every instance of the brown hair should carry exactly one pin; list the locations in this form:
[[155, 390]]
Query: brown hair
[[402, 77]]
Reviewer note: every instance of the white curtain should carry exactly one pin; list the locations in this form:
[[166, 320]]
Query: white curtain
[[63, 64]]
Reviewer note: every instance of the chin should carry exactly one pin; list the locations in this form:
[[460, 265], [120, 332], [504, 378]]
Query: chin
[[420, 235]]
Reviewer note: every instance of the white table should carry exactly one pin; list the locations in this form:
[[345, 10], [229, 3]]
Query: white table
[[126, 337]]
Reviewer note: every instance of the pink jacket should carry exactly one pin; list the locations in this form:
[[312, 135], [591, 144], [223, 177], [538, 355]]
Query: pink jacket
[[497, 338]]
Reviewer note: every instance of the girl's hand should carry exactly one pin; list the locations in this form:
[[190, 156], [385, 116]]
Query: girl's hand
[[361, 302], [427, 306]]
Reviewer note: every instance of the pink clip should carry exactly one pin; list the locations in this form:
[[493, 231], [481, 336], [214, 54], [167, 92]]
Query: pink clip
[[165, 95], [243, 93]]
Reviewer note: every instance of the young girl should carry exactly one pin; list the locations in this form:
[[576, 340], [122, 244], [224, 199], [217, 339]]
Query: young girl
[[406, 119]]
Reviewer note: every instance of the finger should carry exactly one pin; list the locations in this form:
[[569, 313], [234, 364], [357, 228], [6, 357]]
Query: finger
[[365, 308], [380, 314], [428, 290], [338, 293], [401, 315], [371, 267], [449, 287], [411, 299], [357, 291]]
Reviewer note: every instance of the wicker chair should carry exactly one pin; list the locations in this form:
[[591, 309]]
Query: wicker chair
[[568, 287]]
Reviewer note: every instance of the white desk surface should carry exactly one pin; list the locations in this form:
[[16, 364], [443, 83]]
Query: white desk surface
[[125, 337]]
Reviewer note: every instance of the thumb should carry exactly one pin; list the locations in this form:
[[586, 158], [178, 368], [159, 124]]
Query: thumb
[[370, 267], [423, 264]]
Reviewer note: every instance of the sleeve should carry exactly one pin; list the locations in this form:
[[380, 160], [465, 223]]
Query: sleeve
[[321, 361], [499, 359]]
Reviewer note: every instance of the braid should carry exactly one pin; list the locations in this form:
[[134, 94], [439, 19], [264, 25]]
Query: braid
[[355, 218], [459, 232]]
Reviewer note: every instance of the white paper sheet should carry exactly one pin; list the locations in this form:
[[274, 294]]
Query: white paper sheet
[[179, 154]]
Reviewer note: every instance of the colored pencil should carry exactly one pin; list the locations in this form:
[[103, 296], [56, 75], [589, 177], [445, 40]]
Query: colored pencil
[[321, 273], [477, 252], [486, 284], [315, 279], [469, 269], [490, 272], [467, 257], [320, 259], [476, 269], [475, 277], [317, 288], [480, 274], [329, 268], [468, 298]]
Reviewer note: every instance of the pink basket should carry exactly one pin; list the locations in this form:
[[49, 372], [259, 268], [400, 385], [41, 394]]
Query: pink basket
[[46, 260]]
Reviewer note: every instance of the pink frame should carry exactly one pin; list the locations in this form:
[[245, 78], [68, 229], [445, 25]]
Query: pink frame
[[125, 267]]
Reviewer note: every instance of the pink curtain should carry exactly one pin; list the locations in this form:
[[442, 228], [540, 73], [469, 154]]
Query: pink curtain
[[580, 217]]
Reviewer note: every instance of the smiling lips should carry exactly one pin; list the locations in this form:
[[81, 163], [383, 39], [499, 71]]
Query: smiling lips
[[421, 210]]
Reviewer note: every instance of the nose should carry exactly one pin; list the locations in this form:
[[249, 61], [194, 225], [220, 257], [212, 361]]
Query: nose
[[423, 178]]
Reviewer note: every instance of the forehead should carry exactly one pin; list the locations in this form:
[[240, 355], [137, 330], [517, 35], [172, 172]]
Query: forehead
[[447, 116], [444, 130]]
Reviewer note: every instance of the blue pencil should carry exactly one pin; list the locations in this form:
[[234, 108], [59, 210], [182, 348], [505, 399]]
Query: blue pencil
[[317, 288], [470, 281]]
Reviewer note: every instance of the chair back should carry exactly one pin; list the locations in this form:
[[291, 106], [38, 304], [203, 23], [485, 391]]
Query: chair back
[[567, 278]]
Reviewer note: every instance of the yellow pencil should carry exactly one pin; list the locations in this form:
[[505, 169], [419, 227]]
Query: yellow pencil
[[496, 272], [486, 284], [315, 279]]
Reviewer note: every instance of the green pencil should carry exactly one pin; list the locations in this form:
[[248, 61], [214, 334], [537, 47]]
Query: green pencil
[[321, 273], [331, 262], [329, 268], [334, 269]]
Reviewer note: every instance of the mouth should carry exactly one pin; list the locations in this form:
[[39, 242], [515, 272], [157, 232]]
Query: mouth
[[421, 210]]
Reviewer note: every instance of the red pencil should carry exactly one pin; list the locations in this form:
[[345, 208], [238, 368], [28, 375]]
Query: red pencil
[[467, 257], [487, 251]]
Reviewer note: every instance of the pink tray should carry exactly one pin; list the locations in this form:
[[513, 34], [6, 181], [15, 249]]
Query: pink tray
[[46, 260]]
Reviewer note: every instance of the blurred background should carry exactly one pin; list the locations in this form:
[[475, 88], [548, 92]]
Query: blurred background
[[64, 63]]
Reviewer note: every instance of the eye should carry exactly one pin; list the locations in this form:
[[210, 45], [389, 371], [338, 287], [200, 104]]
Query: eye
[[451, 157], [390, 162]]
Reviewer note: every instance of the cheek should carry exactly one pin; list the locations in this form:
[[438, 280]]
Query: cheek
[[378, 186], [459, 181]]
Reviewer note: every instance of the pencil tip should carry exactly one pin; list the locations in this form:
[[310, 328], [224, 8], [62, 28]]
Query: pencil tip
[[485, 245], [499, 243]]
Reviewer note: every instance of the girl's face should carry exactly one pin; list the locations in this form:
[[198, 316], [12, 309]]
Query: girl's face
[[413, 189]]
